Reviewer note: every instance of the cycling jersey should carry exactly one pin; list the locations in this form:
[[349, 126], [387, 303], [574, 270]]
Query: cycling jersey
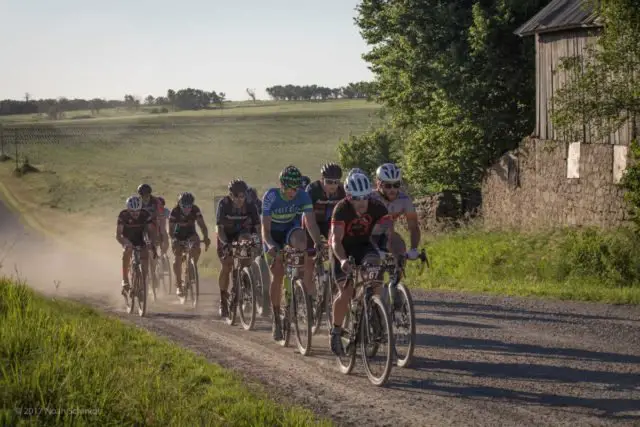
[[284, 213], [358, 228], [322, 204], [232, 220], [185, 225], [402, 205], [133, 229]]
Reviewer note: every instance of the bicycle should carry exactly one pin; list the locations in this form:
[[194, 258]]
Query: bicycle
[[366, 323], [324, 292], [400, 304], [164, 274], [243, 288], [191, 281], [137, 289], [297, 308]]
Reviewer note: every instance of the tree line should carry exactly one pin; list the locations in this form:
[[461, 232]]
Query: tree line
[[357, 90], [183, 99]]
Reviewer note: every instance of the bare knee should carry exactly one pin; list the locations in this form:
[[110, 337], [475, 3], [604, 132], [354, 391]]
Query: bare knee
[[298, 240]]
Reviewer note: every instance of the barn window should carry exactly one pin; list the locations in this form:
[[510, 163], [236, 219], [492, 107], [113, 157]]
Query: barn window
[[573, 160], [619, 162]]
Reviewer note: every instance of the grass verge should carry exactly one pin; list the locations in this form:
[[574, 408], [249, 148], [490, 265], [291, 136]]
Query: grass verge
[[572, 264], [63, 363]]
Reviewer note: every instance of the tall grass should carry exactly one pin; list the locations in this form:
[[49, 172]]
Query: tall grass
[[585, 264], [63, 363]]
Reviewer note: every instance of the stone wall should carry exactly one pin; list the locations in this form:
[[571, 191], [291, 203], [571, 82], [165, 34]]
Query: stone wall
[[529, 189]]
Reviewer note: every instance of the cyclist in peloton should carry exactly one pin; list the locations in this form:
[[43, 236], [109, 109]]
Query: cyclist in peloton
[[164, 218], [133, 223], [281, 226], [398, 203], [182, 225], [358, 226], [152, 205], [235, 220], [324, 193]]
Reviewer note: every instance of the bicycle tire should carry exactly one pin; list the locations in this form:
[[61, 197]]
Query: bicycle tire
[[232, 301], [194, 286], [375, 302], [320, 306], [154, 272], [167, 279], [411, 316], [142, 292], [247, 295], [349, 336], [302, 324]]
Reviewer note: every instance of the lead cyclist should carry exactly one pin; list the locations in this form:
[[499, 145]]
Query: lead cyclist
[[398, 203]]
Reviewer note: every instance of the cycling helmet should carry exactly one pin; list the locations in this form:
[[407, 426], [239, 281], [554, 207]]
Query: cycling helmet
[[388, 173], [238, 186], [144, 189], [291, 177], [358, 185], [162, 201], [134, 203], [185, 200], [304, 181], [331, 171]]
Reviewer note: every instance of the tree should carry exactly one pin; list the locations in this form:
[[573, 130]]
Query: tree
[[603, 90], [149, 100], [252, 94], [171, 96], [456, 81], [369, 150]]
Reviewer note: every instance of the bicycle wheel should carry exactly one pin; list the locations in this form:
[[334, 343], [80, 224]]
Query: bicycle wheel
[[375, 329], [194, 286], [246, 299], [319, 306], [167, 275], [349, 339], [232, 301], [328, 302], [403, 320], [302, 317], [154, 274], [142, 289]]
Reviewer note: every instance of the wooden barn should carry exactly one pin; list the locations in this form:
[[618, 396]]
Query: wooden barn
[[547, 181]]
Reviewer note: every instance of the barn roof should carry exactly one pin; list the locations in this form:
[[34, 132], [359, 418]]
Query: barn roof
[[560, 15]]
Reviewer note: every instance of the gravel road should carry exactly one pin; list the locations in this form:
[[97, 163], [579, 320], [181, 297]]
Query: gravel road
[[481, 360]]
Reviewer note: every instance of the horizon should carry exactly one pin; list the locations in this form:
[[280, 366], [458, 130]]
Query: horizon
[[143, 54]]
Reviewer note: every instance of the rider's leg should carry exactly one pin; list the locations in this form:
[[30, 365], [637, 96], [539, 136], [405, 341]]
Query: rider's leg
[[126, 261], [340, 306], [226, 261], [164, 243], [297, 239], [277, 276], [195, 251], [177, 264], [309, 265]]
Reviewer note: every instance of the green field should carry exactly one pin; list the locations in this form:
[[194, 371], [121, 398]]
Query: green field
[[59, 355]]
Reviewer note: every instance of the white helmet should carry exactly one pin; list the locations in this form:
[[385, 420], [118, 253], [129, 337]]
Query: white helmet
[[358, 185], [389, 173], [134, 203], [354, 170]]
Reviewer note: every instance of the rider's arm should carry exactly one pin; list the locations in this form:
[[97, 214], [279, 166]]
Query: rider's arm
[[222, 235], [383, 225], [412, 224], [267, 201], [201, 224], [119, 234], [309, 216], [337, 234]]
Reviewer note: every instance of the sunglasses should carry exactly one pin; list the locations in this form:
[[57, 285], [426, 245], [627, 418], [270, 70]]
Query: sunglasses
[[331, 181], [389, 186], [359, 198]]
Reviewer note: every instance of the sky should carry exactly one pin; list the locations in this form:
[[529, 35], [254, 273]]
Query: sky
[[106, 49]]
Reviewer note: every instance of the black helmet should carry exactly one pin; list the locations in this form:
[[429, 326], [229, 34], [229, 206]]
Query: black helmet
[[331, 171], [304, 181], [186, 199], [238, 186], [144, 189]]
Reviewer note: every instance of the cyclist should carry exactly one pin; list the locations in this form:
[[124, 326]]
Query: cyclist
[[281, 227], [252, 197], [182, 224], [164, 245], [133, 223], [324, 193], [398, 203], [152, 205], [235, 220], [358, 227]]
